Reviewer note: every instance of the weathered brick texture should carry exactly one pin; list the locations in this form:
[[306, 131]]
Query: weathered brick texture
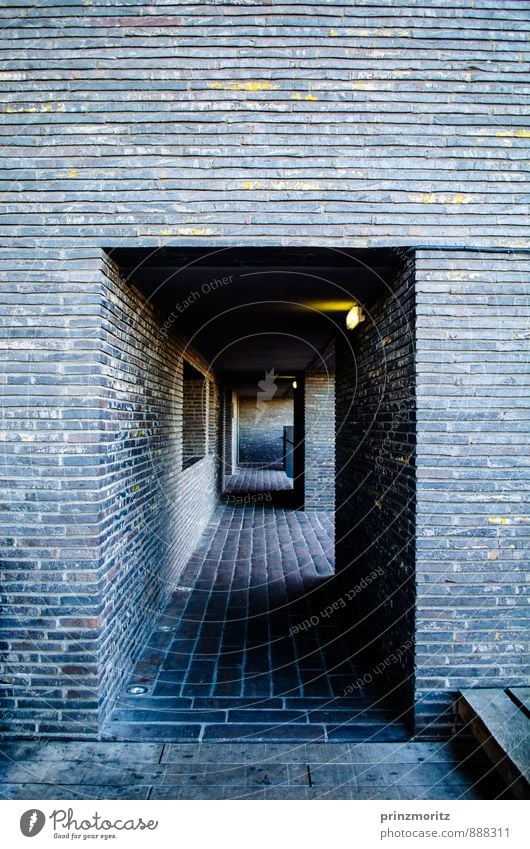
[[108, 517], [195, 418], [348, 123], [375, 465], [319, 439], [473, 524]]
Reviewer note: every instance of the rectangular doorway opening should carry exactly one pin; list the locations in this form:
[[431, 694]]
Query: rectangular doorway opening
[[274, 625]]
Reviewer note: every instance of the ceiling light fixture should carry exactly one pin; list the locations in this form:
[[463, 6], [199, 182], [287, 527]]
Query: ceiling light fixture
[[354, 317]]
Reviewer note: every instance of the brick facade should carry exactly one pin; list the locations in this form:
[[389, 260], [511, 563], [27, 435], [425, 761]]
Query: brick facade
[[350, 125]]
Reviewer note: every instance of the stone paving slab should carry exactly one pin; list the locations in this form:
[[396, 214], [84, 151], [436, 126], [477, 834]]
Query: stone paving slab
[[263, 733], [357, 753], [239, 775], [337, 775], [95, 753], [79, 772], [73, 791], [236, 770], [313, 794], [183, 733]]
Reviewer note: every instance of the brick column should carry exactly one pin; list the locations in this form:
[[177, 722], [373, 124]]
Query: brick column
[[50, 516], [472, 461], [319, 414], [98, 515]]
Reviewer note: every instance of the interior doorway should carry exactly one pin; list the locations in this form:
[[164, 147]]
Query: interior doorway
[[293, 595]]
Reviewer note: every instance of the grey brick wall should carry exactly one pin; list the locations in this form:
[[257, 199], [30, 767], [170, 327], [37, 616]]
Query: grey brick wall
[[473, 525], [351, 123], [261, 430], [195, 418], [50, 518], [375, 473], [319, 455], [108, 517]]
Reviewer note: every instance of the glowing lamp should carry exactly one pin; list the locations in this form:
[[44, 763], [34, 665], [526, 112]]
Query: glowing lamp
[[354, 317]]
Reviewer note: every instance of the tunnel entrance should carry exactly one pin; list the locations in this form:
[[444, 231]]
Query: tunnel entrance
[[282, 495]]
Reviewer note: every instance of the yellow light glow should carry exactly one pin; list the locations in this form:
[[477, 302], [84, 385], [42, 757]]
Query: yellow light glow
[[295, 385], [354, 317], [331, 306]]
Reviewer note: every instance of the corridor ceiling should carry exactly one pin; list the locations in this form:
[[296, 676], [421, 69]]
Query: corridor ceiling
[[248, 310]]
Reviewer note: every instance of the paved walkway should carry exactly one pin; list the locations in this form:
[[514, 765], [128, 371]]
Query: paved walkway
[[237, 665], [236, 771], [258, 481]]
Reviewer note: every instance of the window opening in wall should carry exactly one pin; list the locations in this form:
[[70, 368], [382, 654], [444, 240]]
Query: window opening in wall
[[194, 416]]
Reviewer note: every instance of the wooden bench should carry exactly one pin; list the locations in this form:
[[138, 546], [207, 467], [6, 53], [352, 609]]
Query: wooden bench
[[500, 721]]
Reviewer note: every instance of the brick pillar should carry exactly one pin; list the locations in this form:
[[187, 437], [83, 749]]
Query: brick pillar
[[98, 515], [376, 484], [319, 413], [50, 516], [472, 457]]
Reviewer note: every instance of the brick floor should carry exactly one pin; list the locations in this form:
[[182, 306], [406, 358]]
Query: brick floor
[[234, 667], [256, 481]]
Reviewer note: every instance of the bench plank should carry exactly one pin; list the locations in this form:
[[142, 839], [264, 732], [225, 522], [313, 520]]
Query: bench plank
[[521, 695], [504, 731]]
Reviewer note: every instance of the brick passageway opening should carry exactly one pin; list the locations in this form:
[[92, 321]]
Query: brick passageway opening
[[254, 653]]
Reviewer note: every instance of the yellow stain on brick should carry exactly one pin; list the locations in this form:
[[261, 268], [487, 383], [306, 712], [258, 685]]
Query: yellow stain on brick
[[498, 635], [245, 85], [299, 96], [516, 134], [503, 520], [431, 197], [194, 231], [72, 173], [167, 233], [41, 108], [332, 33], [281, 185]]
